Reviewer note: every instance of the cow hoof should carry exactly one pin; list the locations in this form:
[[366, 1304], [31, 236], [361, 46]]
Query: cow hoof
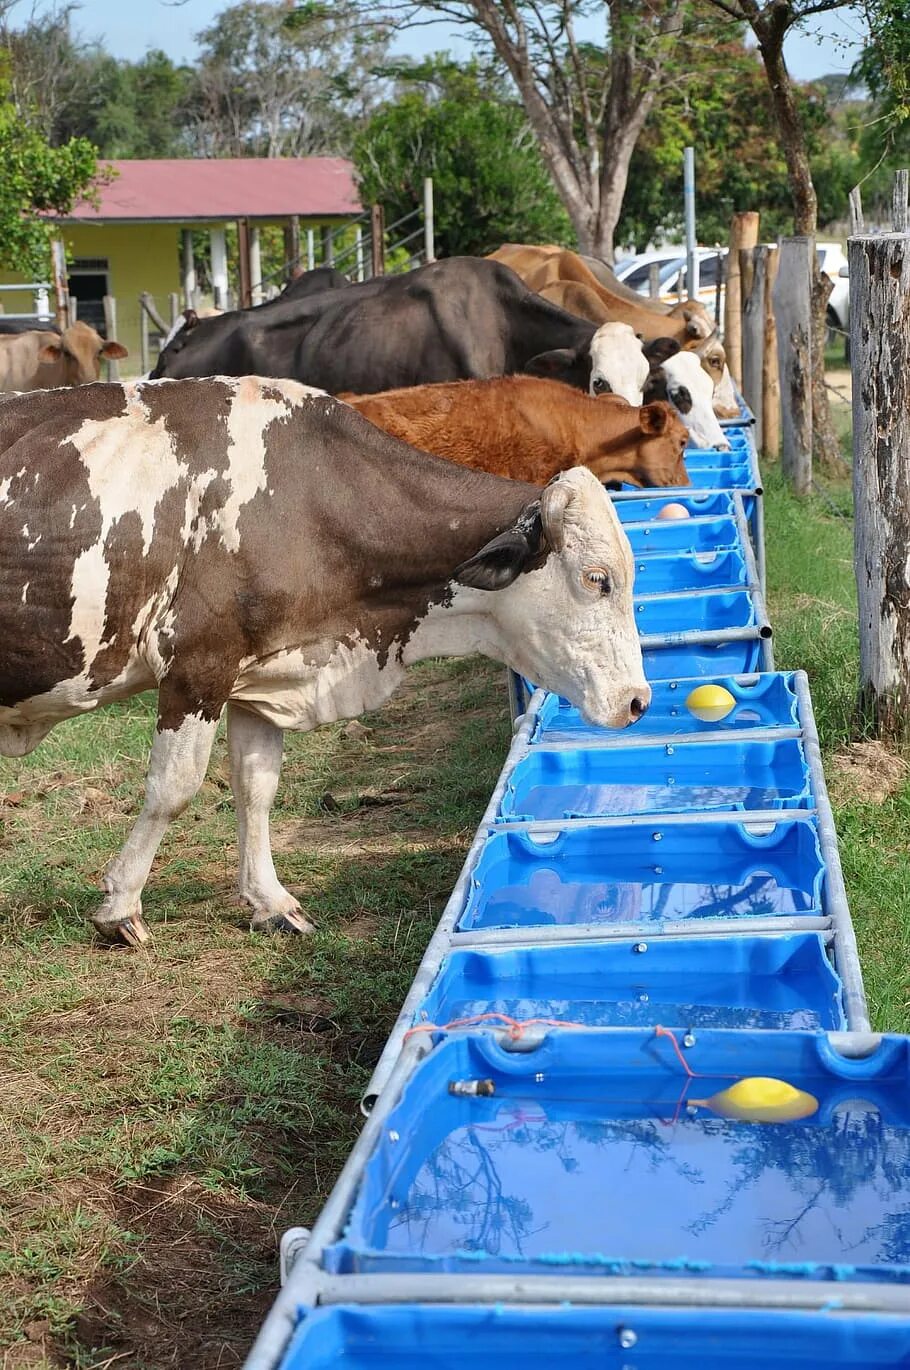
[[132, 931], [290, 921]]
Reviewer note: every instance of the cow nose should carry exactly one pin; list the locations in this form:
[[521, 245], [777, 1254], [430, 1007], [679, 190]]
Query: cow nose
[[639, 700], [602, 387]]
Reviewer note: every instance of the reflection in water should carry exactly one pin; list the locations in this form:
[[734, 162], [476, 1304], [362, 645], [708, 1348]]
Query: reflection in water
[[529, 1179], [571, 801]]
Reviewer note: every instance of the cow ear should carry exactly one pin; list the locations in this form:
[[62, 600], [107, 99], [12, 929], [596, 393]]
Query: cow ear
[[653, 418], [660, 350], [114, 351], [558, 365], [50, 351], [503, 559], [682, 398]]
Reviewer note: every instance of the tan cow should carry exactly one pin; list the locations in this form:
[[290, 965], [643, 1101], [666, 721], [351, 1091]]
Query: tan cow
[[40, 360], [565, 279], [530, 429]]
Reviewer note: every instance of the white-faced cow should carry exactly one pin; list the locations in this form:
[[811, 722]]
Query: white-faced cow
[[42, 360], [463, 318], [257, 547], [679, 378]]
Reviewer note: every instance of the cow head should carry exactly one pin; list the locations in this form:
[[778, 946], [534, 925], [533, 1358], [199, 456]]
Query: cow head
[[655, 446], [713, 358], [698, 321], [681, 380], [613, 363], [77, 354], [558, 588]]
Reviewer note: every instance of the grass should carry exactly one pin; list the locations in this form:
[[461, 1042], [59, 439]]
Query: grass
[[164, 1115]]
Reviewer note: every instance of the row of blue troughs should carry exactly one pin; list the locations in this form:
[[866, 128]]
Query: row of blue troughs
[[632, 1115]]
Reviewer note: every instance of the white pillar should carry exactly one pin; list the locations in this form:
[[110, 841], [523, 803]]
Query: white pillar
[[189, 270], [219, 267], [310, 250], [255, 265]]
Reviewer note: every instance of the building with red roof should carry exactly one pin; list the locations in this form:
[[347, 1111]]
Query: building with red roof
[[141, 232]]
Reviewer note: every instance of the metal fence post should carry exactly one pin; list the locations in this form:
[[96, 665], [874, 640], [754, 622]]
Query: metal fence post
[[377, 240], [429, 224]]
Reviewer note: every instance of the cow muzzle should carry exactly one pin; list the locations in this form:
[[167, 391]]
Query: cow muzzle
[[626, 707]]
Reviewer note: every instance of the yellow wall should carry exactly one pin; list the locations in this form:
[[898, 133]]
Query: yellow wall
[[140, 257]]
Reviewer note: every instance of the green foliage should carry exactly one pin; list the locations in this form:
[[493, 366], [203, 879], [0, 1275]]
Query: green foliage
[[34, 179], [456, 125], [722, 107]]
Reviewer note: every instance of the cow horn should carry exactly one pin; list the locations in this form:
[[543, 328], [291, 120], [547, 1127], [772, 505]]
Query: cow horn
[[554, 501]]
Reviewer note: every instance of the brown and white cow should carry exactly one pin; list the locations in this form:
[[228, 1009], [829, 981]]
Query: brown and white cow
[[531, 429], [42, 360], [255, 546], [566, 279]]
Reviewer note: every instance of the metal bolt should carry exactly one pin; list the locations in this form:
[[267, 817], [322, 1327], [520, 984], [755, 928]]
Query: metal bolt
[[689, 1039], [644, 998], [640, 946], [627, 1338], [670, 750], [657, 836], [672, 684], [394, 1136], [538, 1078]]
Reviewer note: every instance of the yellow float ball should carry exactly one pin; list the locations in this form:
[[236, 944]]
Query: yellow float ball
[[710, 703], [760, 1099], [674, 511]]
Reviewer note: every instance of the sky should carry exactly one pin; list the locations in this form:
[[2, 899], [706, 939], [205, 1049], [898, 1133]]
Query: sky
[[129, 27]]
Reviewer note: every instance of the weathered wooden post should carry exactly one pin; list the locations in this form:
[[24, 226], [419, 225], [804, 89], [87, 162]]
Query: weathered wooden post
[[654, 280], [377, 240], [743, 233], [880, 358], [61, 285], [244, 264], [109, 305], [291, 246], [753, 267], [770, 425], [793, 314]]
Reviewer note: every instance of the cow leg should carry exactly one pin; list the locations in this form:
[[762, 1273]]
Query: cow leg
[[255, 747], [180, 756]]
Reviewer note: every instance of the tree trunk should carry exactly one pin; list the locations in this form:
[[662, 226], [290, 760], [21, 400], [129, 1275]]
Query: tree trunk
[[770, 33]]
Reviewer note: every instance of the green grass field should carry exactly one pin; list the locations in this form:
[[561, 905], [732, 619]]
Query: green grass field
[[166, 1114]]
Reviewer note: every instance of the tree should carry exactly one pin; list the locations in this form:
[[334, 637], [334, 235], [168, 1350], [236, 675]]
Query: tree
[[586, 104], [721, 105], [459, 126], [36, 180], [771, 21], [274, 82]]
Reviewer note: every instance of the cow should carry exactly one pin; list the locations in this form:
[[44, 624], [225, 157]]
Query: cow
[[462, 318], [530, 429], [569, 281], [678, 378], [313, 282], [255, 547], [44, 359]]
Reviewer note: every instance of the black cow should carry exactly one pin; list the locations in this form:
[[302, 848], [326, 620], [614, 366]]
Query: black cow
[[460, 319]]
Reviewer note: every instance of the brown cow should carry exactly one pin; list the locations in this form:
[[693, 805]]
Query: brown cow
[[42, 360], [530, 429], [566, 280]]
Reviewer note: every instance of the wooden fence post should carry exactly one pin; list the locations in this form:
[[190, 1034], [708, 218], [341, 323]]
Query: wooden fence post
[[61, 286], [377, 240], [753, 267], [880, 358], [144, 341], [743, 233], [243, 262], [291, 246], [109, 304], [793, 314], [770, 426], [654, 280]]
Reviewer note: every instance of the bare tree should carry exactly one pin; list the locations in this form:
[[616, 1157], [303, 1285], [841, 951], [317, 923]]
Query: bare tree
[[586, 103], [771, 21]]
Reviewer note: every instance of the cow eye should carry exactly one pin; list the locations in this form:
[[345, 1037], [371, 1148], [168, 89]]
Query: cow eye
[[596, 579], [602, 387]]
